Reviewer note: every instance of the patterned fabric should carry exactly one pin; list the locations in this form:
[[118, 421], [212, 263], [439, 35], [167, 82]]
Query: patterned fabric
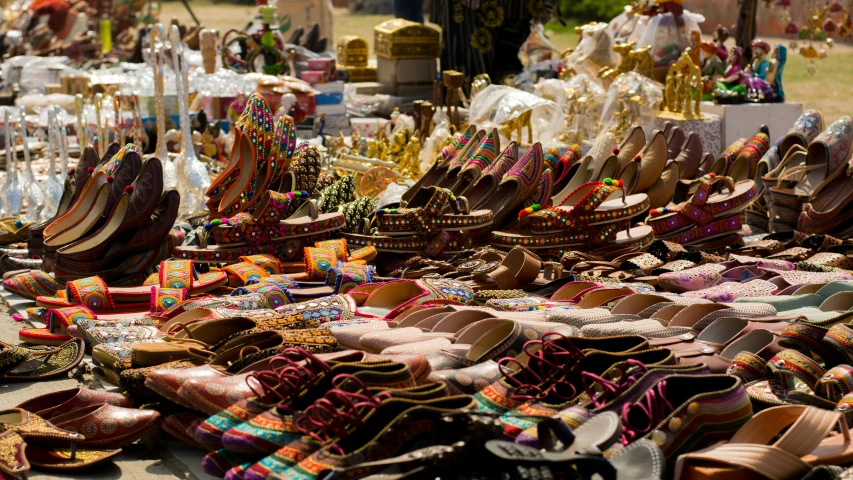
[[165, 298], [90, 292], [176, 274], [318, 261], [345, 278], [245, 272], [269, 263], [112, 166]]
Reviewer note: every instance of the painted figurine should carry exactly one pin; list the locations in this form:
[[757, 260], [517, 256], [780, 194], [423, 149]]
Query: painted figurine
[[732, 82], [713, 67]]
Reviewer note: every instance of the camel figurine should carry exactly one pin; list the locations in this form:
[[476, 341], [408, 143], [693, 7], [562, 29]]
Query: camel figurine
[[628, 62], [518, 124]]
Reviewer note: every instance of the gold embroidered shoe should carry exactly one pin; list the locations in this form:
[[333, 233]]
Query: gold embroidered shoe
[[43, 440]]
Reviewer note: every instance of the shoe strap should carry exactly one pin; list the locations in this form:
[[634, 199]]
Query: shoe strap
[[91, 292]]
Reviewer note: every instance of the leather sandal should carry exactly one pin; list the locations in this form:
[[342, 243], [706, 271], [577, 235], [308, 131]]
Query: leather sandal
[[750, 455]]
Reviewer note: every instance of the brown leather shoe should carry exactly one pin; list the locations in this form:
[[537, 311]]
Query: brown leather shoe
[[675, 139], [146, 192], [73, 188], [690, 156], [92, 247], [106, 425]]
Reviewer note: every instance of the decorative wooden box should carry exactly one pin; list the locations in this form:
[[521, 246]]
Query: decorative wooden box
[[352, 51], [361, 74], [401, 38]]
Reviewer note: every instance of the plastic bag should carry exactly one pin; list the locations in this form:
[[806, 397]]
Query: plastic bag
[[584, 103], [497, 106], [594, 51], [623, 25], [632, 99], [668, 35]]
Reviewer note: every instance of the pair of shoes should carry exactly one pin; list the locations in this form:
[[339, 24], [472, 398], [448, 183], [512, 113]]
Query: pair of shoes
[[262, 152]]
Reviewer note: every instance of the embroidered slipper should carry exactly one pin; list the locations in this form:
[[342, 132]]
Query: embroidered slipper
[[611, 235], [38, 363], [33, 284], [253, 141], [480, 160], [716, 229], [723, 164], [703, 207], [37, 440], [584, 223], [456, 165], [480, 190], [589, 205], [645, 168], [268, 171], [438, 170], [424, 214], [828, 153], [528, 182], [745, 164], [13, 230]]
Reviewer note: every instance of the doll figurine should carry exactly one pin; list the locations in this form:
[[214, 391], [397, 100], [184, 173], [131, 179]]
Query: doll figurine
[[713, 68], [760, 63], [731, 85], [769, 89]]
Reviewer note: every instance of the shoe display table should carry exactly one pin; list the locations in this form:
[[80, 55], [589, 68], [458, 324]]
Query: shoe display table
[[741, 120], [708, 128]]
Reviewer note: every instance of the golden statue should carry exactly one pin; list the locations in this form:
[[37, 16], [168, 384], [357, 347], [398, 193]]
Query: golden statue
[[518, 124], [683, 87], [627, 62], [643, 62]]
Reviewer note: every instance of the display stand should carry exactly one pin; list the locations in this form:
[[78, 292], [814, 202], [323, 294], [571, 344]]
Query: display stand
[[709, 128], [742, 120]]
